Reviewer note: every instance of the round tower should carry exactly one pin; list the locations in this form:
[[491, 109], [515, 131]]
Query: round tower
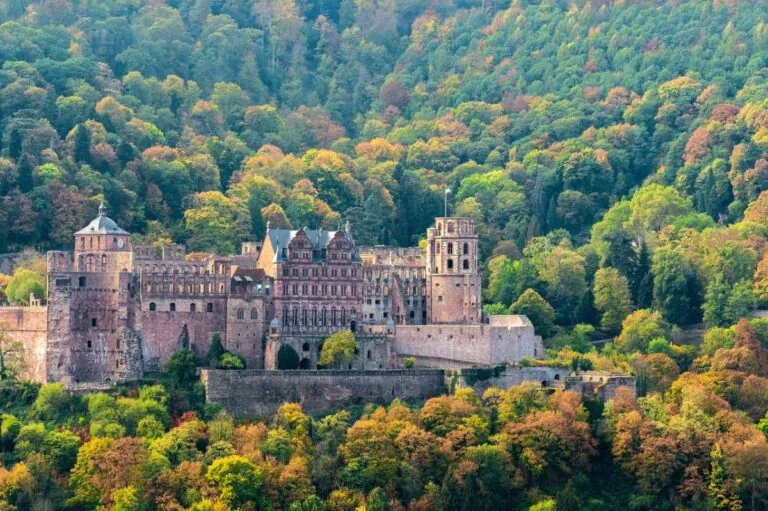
[[453, 277]]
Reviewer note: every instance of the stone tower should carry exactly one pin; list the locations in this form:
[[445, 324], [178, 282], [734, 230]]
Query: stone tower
[[103, 247], [453, 279], [92, 308]]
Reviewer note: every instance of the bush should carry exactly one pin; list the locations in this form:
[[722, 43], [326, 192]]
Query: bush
[[409, 362], [230, 361]]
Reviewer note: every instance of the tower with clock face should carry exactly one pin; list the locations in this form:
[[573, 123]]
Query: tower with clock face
[[102, 246]]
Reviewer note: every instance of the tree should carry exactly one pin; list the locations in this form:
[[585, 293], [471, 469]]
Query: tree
[[676, 287], [215, 351], [536, 308], [182, 368], [639, 329], [612, 298], [12, 361], [23, 284], [338, 349], [237, 480]]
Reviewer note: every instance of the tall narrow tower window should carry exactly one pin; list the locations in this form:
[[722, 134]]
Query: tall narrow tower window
[[450, 248], [466, 248]]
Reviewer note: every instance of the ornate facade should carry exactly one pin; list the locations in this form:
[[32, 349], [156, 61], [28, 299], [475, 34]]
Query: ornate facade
[[115, 310]]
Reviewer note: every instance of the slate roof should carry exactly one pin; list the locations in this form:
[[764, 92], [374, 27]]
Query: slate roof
[[102, 224], [281, 238]]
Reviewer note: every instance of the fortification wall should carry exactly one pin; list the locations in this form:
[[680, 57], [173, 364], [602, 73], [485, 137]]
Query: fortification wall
[[28, 325], [260, 393], [503, 377], [450, 346]]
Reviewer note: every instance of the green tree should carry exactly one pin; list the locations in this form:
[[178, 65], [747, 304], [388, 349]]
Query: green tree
[[536, 308], [237, 480], [182, 368], [639, 329], [676, 287], [338, 349], [24, 283], [612, 298]]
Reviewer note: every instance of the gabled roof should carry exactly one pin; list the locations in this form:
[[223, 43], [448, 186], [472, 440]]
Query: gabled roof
[[102, 224], [320, 238]]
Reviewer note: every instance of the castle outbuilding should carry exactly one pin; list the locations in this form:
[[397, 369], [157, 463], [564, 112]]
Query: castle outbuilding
[[115, 310]]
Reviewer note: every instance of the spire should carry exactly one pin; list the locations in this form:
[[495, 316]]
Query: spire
[[102, 209]]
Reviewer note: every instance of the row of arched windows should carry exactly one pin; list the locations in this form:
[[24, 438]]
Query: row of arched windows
[[182, 287], [306, 317]]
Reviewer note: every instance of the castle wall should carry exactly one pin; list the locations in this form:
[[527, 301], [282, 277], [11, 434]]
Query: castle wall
[[506, 339], [164, 331], [91, 335], [28, 325], [247, 319], [372, 350], [260, 393]]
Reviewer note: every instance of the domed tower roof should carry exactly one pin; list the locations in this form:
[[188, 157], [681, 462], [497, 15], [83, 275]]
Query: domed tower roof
[[102, 224]]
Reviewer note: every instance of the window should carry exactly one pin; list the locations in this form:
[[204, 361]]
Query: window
[[152, 307], [192, 307], [450, 264], [450, 248], [305, 346], [368, 355], [93, 322], [240, 314], [81, 282], [466, 248], [465, 264], [173, 307], [89, 344], [254, 314], [439, 298], [209, 307]]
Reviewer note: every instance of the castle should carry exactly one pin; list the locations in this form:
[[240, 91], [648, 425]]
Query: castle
[[115, 310]]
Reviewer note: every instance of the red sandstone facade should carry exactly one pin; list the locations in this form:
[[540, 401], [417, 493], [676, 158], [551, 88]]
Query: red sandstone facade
[[115, 310]]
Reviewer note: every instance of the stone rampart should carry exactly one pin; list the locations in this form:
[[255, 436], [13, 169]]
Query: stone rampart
[[452, 346], [260, 393]]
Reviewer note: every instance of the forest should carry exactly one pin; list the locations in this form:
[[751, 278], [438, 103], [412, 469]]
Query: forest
[[613, 153]]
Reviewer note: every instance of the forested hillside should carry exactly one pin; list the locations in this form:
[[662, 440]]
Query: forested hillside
[[613, 153]]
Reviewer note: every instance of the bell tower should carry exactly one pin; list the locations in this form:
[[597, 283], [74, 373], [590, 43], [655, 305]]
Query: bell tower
[[453, 278]]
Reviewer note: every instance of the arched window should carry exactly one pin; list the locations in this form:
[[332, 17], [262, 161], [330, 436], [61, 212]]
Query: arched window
[[254, 314], [465, 264], [295, 321], [240, 314], [333, 316], [285, 316], [152, 307], [192, 307], [104, 262], [343, 316], [314, 317], [450, 248], [173, 307], [324, 318], [466, 248]]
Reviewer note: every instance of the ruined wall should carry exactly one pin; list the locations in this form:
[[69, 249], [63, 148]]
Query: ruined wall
[[372, 352], [247, 317], [91, 327], [454, 346], [503, 377], [260, 393], [28, 325], [164, 331]]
